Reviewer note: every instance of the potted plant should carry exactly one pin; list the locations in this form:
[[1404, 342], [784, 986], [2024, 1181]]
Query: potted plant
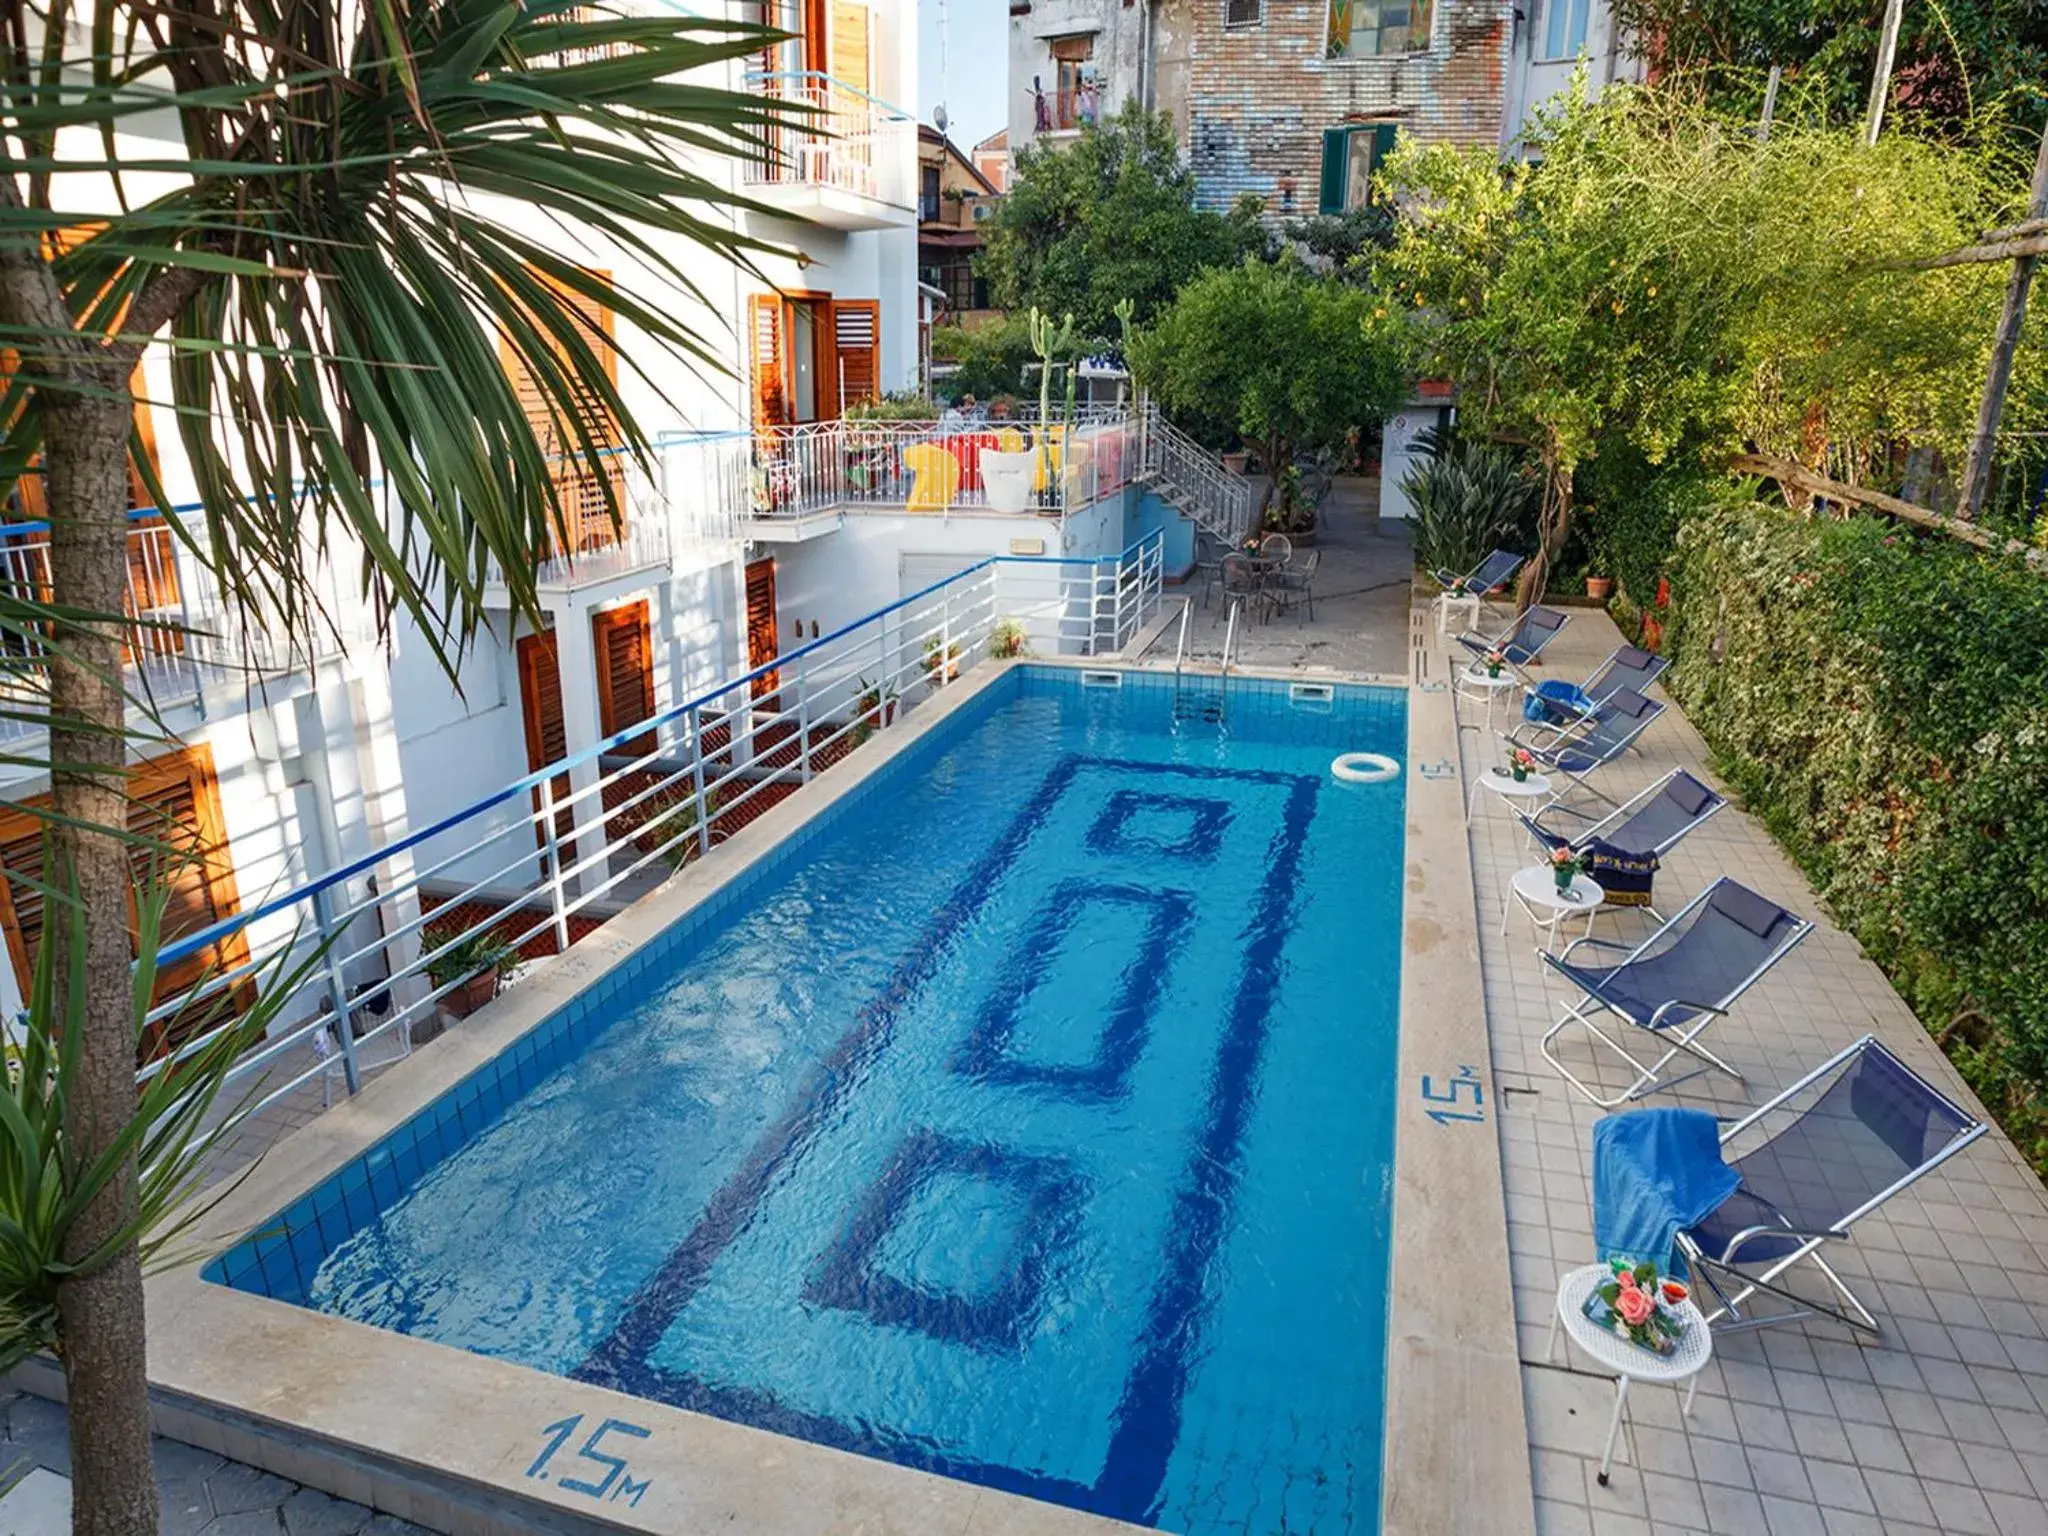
[[1599, 588], [1519, 765], [1565, 865], [470, 965], [1495, 660], [873, 709], [1236, 461], [1007, 640], [936, 669], [1639, 1306]]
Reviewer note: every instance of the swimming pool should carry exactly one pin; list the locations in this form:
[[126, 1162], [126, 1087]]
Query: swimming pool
[[1028, 1118]]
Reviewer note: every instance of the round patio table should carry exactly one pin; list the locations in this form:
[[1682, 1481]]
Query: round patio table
[[1629, 1362]]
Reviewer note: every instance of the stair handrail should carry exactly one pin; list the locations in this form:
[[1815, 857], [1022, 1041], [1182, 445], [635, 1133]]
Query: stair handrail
[[1222, 499]]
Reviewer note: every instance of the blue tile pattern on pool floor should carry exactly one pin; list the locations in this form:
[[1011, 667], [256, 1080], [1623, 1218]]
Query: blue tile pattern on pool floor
[[1026, 1118]]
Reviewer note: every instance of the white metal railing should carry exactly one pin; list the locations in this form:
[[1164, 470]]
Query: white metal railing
[[942, 465], [186, 632], [846, 140], [1220, 501], [602, 826]]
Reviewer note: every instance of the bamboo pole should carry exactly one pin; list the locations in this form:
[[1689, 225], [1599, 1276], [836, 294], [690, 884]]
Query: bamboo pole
[[1984, 442], [1881, 82], [1799, 477]]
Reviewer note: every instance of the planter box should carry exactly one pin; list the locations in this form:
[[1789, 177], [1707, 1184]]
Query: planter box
[[1006, 477]]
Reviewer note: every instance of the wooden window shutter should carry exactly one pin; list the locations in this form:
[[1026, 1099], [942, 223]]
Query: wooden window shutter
[[586, 515], [625, 655], [849, 50], [547, 736], [764, 641], [1383, 137], [764, 339], [857, 346], [1336, 152], [175, 802]]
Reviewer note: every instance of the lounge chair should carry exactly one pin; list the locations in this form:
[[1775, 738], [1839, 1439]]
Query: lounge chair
[[1522, 641], [1621, 849], [1472, 587], [1674, 984], [1875, 1128], [1578, 749], [1555, 702], [1482, 578]]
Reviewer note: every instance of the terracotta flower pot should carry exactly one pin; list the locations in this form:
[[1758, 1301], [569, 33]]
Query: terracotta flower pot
[[1600, 588], [470, 995], [1236, 463]]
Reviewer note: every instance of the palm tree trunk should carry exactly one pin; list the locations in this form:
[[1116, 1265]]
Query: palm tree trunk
[[1553, 522], [113, 1485]]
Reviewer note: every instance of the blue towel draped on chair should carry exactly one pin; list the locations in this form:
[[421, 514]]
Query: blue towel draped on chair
[[1655, 1173]]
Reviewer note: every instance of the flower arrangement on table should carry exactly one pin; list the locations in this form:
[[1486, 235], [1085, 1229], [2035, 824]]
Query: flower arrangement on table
[[1521, 763], [1565, 864], [1640, 1306], [1495, 660]]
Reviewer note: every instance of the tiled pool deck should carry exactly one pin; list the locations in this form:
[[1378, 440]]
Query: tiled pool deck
[[1799, 1430]]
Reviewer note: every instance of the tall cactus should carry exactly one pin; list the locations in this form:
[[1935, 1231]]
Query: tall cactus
[[1050, 341]]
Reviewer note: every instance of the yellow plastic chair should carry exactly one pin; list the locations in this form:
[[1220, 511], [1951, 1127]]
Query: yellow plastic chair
[[1053, 456], [935, 477], [1010, 440]]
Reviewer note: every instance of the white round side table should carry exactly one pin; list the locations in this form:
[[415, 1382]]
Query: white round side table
[[1475, 682], [1628, 1361], [1501, 783], [1535, 888]]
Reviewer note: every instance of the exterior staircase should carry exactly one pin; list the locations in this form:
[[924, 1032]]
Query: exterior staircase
[[1192, 480]]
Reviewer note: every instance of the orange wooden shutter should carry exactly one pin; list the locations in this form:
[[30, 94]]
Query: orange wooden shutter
[[175, 802], [763, 635], [857, 345], [586, 517], [625, 653], [849, 53], [764, 336], [547, 737]]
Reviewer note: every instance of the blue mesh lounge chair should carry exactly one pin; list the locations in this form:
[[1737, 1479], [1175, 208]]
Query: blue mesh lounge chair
[[1673, 985], [1555, 701], [1621, 849], [1864, 1128], [1482, 578], [1579, 748], [1523, 640]]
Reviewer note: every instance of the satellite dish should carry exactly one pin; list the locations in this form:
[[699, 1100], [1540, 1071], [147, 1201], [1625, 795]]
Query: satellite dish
[[939, 117]]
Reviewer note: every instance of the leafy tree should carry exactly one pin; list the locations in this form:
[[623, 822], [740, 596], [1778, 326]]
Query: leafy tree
[[1110, 216], [989, 359], [1343, 243], [1952, 60], [1279, 357], [1663, 280], [334, 308]]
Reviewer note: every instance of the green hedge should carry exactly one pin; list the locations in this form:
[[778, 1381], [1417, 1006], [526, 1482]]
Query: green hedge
[[1880, 699]]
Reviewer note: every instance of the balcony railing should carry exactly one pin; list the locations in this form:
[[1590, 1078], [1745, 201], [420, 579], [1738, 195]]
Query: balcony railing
[[940, 466], [536, 860], [847, 140], [186, 632]]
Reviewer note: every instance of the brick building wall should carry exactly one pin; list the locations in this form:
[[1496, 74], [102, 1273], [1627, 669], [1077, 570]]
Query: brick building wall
[[1259, 97]]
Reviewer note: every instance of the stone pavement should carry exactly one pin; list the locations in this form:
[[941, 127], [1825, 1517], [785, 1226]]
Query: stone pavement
[[1361, 599], [203, 1494], [1799, 1430]]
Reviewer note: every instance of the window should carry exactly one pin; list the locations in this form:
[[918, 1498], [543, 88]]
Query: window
[[1350, 155], [1076, 99], [1364, 29], [174, 803], [1564, 28], [1243, 13], [928, 195]]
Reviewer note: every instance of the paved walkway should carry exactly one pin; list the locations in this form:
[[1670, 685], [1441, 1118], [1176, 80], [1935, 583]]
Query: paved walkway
[[1799, 1430], [203, 1494], [1361, 599]]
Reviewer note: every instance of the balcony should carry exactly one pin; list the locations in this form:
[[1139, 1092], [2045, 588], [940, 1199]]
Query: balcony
[[188, 634], [851, 164], [803, 480]]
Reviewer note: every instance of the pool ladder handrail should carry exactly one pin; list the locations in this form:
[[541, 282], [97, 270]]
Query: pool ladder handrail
[[1230, 637]]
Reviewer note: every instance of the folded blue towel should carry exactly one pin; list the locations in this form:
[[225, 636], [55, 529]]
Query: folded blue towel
[[1655, 1172]]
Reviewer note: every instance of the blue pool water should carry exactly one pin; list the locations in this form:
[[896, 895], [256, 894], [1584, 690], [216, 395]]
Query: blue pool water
[[1027, 1119]]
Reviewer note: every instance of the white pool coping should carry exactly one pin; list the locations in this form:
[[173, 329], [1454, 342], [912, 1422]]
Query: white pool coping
[[446, 1438]]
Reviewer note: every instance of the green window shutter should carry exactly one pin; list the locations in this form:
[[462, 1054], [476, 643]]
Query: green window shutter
[[1383, 138], [1336, 143]]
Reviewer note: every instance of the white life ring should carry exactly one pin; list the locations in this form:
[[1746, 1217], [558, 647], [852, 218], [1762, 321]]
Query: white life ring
[[1365, 768]]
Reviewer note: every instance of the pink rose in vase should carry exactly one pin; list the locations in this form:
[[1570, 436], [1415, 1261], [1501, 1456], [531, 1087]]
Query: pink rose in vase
[[1635, 1305]]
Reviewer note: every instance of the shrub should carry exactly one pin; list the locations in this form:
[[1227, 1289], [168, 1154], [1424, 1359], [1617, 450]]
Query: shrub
[[1881, 701], [1468, 496]]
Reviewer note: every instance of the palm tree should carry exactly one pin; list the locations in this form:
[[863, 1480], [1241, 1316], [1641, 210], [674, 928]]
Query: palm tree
[[307, 228]]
